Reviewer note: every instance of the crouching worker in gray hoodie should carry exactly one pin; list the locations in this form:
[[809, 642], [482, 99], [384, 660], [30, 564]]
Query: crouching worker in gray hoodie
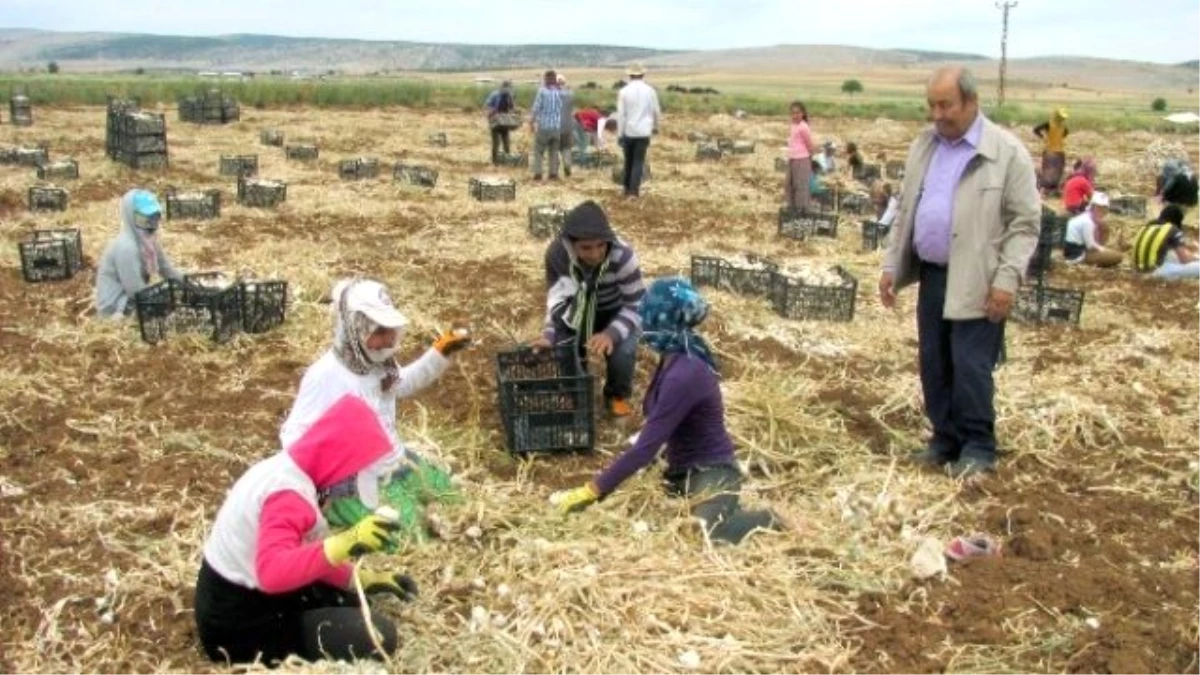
[[134, 258], [595, 284]]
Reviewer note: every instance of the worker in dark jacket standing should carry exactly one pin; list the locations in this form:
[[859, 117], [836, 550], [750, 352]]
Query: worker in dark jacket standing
[[499, 103]]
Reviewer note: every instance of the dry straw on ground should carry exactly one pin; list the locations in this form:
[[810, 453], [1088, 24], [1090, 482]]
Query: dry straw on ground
[[117, 455]]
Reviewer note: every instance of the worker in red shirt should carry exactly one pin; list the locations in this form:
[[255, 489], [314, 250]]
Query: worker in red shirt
[[587, 124], [1079, 187]]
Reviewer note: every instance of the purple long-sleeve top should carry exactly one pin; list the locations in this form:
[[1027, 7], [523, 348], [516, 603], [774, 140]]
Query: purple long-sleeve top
[[683, 409], [934, 222]]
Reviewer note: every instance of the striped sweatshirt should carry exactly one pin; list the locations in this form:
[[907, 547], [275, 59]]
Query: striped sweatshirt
[[618, 290]]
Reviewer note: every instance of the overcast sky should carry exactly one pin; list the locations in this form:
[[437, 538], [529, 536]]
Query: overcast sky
[[1152, 30]]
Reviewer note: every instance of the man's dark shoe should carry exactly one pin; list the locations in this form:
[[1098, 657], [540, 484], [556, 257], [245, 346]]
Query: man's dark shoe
[[935, 457], [968, 466], [537, 176], [567, 171]]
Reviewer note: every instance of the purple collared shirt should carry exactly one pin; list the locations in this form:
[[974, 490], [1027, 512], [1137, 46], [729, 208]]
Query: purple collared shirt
[[934, 220]]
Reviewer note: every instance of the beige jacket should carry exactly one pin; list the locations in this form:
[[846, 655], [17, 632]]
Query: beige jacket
[[996, 221]]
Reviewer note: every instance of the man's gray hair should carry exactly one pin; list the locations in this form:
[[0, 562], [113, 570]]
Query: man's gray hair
[[967, 85], [968, 89]]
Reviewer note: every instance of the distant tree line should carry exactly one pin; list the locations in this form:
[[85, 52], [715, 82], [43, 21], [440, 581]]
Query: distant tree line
[[691, 90]]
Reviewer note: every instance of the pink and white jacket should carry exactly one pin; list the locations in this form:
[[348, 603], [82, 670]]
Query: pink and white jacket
[[268, 533]]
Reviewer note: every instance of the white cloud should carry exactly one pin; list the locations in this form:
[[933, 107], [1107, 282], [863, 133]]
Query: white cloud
[[1165, 30]]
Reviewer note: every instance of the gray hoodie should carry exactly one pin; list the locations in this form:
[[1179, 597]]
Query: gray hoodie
[[121, 273]]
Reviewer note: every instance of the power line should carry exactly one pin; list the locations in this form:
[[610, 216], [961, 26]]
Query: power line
[[1005, 6]]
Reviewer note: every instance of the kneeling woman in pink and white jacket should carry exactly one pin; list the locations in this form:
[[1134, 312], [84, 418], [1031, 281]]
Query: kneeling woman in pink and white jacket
[[274, 582]]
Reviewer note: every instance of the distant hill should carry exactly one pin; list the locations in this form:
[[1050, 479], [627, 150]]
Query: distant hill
[[113, 51], [1190, 64], [803, 56], [81, 52]]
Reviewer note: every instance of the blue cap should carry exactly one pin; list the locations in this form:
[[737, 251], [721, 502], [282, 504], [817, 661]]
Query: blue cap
[[145, 203]]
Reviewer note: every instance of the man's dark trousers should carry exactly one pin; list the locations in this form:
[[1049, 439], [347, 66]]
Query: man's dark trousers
[[957, 360], [635, 162]]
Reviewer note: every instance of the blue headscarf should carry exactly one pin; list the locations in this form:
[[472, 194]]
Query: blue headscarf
[[670, 310]]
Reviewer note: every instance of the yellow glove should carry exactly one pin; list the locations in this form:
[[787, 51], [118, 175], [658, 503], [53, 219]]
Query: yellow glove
[[578, 499], [369, 535], [400, 585], [452, 341]]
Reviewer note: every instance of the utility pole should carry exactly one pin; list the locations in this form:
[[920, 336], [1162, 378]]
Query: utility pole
[[1005, 6]]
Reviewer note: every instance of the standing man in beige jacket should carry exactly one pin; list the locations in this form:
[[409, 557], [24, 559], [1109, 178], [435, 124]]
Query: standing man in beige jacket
[[967, 227]]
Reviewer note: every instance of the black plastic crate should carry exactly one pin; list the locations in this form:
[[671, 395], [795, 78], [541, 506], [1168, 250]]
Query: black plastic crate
[[873, 234], [155, 307], [1128, 205], [221, 295], [795, 299], [20, 156], [782, 164], [261, 193], [51, 255], [62, 169], [867, 173], [264, 304], [802, 224], [20, 111], [742, 148], [421, 176], [546, 401], [47, 198], [1042, 304], [302, 152], [708, 151], [827, 200], [593, 160], [439, 139], [134, 123], [142, 160], [509, 120], [358, 168], [209, 107], [855, 203], [519, 160], [188, 306], [724, 143], [727, 276], [272, 137], [894, 170], [197, 205], [135, 138], [492, 189], [238, 165], [546, 220]]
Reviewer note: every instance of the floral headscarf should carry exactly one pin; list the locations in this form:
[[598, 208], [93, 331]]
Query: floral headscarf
[[670, 310]]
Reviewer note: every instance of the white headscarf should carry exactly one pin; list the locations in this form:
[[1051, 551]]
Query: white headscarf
[[351, 328]]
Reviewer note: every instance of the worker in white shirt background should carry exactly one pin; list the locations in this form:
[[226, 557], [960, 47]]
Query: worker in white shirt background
[[638, 116], [1087, 235]]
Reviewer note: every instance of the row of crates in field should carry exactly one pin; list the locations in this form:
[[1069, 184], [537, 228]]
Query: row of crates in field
[[210, 305], [209, 107], [795, 297]]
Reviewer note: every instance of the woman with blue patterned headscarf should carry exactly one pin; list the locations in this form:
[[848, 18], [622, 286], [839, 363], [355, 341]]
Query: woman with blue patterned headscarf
[[684, 411]]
